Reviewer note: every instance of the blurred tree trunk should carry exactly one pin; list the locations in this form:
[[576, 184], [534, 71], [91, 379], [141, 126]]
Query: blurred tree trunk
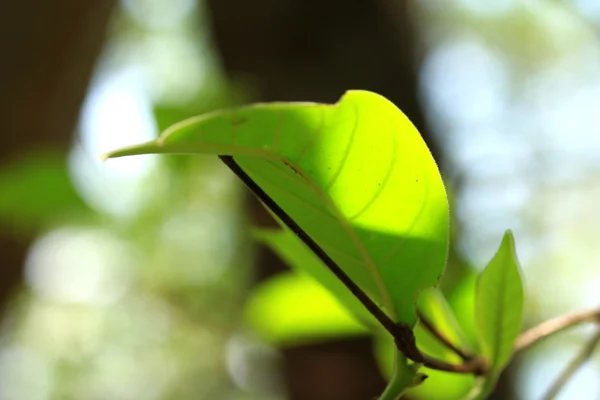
[[309, 50], [49, 49], [312, 50]]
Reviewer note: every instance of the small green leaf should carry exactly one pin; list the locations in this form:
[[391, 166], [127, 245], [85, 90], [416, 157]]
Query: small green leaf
[[499, 309], [435, 308], [462, 301], [291, 309], [356, 176], [299, 257]]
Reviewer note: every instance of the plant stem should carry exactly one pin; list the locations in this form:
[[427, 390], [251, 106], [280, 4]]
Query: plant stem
[[555, 325], [366, 301], [443, 339], [404, 377], [402, 333], [577, 362]]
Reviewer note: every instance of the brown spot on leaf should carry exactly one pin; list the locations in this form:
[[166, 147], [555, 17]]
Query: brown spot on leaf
[[239, 121], [296, 171]]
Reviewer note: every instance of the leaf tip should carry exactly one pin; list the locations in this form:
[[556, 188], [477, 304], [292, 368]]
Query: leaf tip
[[143, 148], [509, 240], [355, 93]]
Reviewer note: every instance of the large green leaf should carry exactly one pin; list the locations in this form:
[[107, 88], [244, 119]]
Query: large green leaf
[[499, 309], [462, 301], [356, 176], [315, 312]]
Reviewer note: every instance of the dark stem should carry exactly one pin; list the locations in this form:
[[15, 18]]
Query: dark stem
[[402, 333], [443, 339], [365, 300]]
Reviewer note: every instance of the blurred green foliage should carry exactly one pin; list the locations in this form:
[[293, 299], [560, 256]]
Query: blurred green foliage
[[36, 192]]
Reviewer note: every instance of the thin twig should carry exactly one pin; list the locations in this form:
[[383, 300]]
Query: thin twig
[[555, 325], [583, 356], [366, 301], [443, 339], [402, 334]]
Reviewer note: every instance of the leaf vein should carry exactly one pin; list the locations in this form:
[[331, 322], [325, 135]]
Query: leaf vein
[[345, 157], [382, 185]]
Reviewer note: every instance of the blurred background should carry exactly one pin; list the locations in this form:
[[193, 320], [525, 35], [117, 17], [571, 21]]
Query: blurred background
[[138, 278]]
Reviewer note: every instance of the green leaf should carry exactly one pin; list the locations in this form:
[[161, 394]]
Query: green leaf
[[356, 176], [292, 308], [499, 309], [324, 319], [462, 301], [435, 308]]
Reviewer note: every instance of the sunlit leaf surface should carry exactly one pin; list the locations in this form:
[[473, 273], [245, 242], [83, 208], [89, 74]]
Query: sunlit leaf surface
[[356, 176]]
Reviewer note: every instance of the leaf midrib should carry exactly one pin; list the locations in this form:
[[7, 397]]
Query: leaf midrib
[[500, 316]]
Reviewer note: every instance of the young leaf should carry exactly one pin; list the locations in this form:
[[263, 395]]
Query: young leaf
[[433, 305], [499, 308], [291, 308], [462, 302], [356, 176]]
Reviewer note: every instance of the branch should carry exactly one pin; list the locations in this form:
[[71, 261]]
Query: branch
[[443, 339], [365, 300], [555, 325], [577, 362], [402, 333]]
